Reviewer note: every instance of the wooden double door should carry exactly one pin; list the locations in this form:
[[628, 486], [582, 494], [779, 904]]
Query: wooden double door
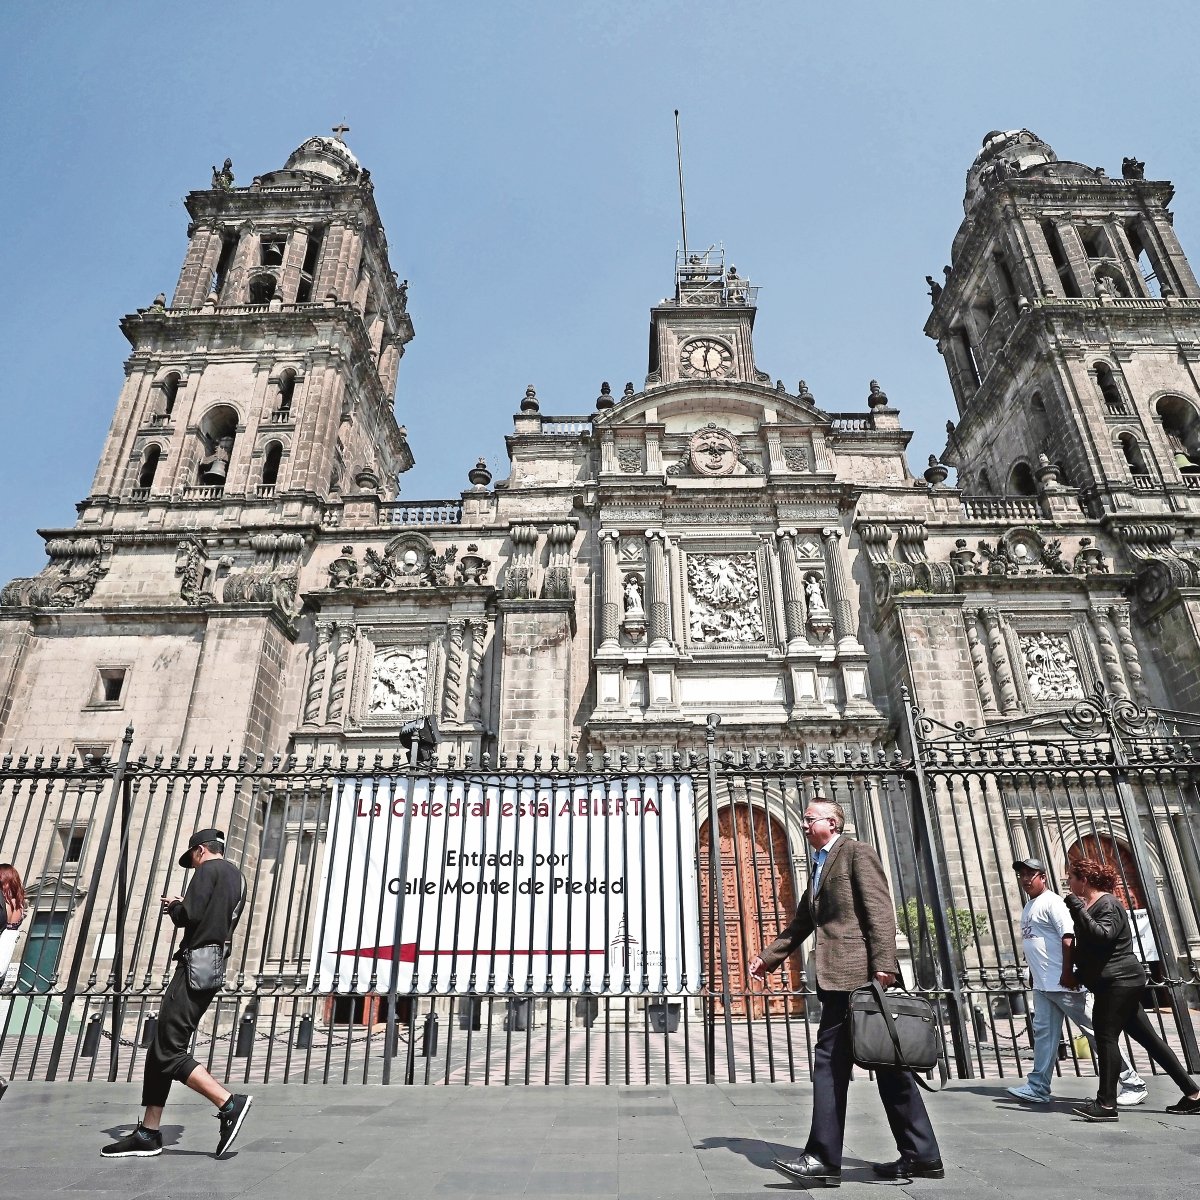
[[758, 896]]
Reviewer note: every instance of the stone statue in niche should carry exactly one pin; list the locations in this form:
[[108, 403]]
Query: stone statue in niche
[[820, 622], [398, 678], [633, 594], [723, 598], [1050, 667]]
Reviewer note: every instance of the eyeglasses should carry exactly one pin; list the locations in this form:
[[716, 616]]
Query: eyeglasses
[[813, 820]]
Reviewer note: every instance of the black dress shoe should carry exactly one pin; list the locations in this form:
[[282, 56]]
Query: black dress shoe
[[809, 1168], [911, 1168]]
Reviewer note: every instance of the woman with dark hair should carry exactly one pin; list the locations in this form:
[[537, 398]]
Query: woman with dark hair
[[12, 892], [1105, 963]]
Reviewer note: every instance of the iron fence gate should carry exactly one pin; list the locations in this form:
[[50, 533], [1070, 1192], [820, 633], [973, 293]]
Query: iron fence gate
[[643, 984]]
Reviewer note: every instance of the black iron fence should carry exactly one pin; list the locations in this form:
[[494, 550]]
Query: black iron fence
[[578, 920]]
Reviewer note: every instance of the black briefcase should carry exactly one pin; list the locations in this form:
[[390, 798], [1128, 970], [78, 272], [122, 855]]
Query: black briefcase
[[892, 1029]]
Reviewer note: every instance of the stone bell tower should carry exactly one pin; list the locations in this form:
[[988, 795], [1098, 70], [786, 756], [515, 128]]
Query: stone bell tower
[[1070, 325], [1069, 320], [257, 408]]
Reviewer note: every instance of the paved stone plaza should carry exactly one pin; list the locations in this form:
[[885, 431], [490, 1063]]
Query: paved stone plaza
[[599, 1142]]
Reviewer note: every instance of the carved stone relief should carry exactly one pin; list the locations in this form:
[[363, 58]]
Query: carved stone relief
[[629, 459], [795, 458], [714, 452], [398, 678], [1050, 667], [724, 603]]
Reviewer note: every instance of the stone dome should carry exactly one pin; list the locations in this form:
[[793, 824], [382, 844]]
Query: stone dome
[[327, 156], [1003, 152]]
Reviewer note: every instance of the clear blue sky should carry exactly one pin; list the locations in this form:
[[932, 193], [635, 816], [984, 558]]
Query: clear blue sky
[[523, 156]]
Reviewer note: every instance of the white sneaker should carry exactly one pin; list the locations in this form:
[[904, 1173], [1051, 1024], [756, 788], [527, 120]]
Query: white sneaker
[[1127, 1097], [1024, 1092]]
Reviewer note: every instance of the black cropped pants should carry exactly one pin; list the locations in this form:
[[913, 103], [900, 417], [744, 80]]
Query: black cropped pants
[[169, 1057]]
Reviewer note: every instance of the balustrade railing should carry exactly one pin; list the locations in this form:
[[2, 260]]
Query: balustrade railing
[[421, 512], [992, 508], [196, 491]]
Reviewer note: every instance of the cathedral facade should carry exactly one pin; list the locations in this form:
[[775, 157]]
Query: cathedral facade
[[243, 573]]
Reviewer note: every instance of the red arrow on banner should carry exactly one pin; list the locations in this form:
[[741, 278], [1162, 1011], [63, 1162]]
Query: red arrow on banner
[[408, 952]]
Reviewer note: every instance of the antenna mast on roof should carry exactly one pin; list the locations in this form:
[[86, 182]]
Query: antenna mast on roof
[[682, 206]]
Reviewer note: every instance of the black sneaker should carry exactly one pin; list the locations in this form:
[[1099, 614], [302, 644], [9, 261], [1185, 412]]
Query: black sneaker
[[231, 1118], [1185, 1105], [1093, 1110], [141, 1143]]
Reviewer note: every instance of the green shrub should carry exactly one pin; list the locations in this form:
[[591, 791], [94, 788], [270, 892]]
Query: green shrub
[[964, 925]]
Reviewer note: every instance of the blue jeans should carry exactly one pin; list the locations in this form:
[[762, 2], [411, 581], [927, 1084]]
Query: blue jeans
[[1049, 1009]]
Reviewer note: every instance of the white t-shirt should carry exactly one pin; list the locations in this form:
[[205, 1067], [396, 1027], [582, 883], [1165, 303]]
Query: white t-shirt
[[1044, 921]]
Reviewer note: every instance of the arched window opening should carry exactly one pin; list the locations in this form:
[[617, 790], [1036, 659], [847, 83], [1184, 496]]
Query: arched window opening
[[1005, 274], [1133, 454], [271, 250], [218, 430], [1036, 403], [308, 272], [229, 242], [1107, 383], [985, 484], [150, 460], [1147, 266], [262, 289], [1181, 424], [1062, 266], [1095, 241], [287, 389], [170, 393], [1021, 481], [270, 471]]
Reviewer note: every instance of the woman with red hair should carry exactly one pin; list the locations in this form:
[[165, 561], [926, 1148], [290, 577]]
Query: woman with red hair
[[12, 892], [1105, 963]]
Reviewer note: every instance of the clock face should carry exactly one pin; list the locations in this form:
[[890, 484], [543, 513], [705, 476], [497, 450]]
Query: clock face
[[705, 358]]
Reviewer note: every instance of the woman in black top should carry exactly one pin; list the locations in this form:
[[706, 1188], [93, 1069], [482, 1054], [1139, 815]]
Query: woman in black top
[[1104, 963]]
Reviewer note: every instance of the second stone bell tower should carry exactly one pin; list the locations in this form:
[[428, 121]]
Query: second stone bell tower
[[1070, 324]]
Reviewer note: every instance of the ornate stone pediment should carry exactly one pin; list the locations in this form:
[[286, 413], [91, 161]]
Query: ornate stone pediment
[[408, 561]]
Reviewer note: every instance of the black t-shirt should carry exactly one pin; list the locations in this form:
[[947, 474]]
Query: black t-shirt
[[1103, 943], [205, 913]]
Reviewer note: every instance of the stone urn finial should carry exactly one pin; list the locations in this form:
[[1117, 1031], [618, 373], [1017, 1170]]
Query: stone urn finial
[[530, 402], [479, 475], [878, 397], [803, 393], [935, 473], [605, 399], [628, 390]]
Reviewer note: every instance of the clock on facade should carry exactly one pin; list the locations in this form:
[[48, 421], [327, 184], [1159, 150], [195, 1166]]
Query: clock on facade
[[705, 358]]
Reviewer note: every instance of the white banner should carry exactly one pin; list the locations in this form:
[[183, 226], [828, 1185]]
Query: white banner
[[541, 884]]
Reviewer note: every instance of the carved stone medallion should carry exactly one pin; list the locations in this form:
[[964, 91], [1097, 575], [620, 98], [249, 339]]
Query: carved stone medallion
[[723, 598], [398, 678]]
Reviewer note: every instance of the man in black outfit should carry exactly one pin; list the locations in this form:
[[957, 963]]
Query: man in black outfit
[[848, 906], [208, 914]]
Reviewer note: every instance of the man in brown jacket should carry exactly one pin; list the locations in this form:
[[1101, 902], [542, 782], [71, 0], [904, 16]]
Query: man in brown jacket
[[848, 906]]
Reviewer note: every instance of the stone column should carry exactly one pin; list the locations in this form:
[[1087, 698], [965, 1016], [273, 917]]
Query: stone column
[[1009, 700], [316, 680], [327, 268], [838, 596], [475, 694], [789, 577], [610, 591], [658, 609], [1129, 652], [1109, 657], [349, 259], [204, 251], [337, 682], [1169, 842], [452, 687], [237, 285], [983, 681]]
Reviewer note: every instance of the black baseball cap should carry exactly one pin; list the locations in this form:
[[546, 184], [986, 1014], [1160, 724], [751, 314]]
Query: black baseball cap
[[1031, 864], [200, 838]]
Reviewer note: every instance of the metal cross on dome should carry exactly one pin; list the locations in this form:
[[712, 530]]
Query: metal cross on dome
[[338, 130]]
